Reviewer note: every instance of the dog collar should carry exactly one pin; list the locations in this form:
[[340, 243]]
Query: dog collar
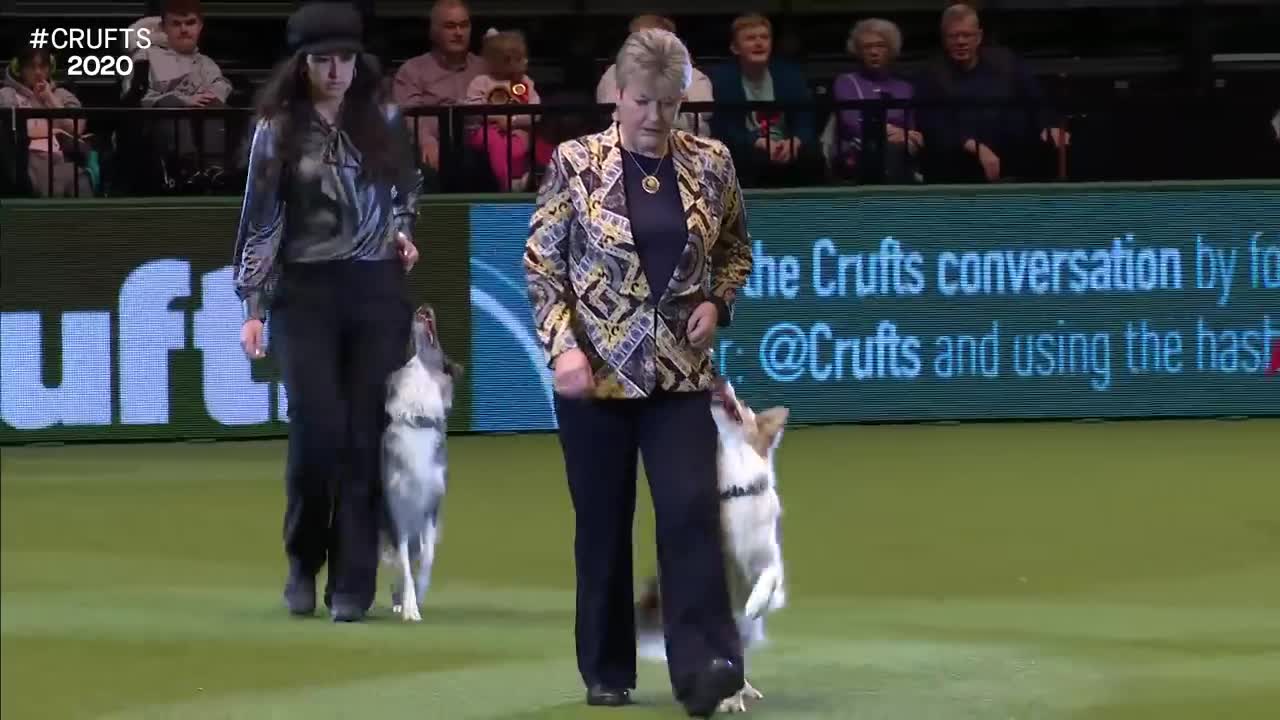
[[739, 491], [423, 422]]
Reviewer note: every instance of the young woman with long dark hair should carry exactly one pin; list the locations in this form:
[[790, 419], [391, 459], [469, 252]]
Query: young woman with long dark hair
[[324, 243]]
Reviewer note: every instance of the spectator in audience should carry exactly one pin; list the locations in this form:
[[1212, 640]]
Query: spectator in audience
[[769, 147], [180, 76], [57, 150], [440, 76], [699, 88], [876, 43], [506, 140], [968, 144]]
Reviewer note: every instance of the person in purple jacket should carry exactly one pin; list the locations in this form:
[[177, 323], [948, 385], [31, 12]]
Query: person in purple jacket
[[876, 43]]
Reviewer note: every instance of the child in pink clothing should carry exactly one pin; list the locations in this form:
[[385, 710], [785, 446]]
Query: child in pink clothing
[[506, 59]]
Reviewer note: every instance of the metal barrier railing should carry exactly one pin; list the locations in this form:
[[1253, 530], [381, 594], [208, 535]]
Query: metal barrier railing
[[72, 152]]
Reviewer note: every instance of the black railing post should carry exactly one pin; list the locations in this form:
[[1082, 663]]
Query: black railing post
[[532, 150], [511, 121], [75, 158], [871, 159], [48, 181], [449, 158]]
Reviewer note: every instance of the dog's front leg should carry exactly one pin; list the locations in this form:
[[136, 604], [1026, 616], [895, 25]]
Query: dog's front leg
[[426, 559], [409, 607]]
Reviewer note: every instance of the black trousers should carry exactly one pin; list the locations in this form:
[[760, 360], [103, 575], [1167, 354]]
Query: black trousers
[[675, 435], [338, 329]]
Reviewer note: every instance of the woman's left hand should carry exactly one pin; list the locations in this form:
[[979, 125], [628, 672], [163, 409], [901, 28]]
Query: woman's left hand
[[408, 251], [702, 325]]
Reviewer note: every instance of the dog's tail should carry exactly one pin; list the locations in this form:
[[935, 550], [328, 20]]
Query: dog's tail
[[767, 593]]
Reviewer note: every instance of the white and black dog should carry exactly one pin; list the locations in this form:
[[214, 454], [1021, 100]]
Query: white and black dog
[[750, 519], [414, 462]]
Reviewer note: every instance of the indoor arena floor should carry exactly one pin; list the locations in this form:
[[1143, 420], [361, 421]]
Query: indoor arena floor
[[1103, 571]]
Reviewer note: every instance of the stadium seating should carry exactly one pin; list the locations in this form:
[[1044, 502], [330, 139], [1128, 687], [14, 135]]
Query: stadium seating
[[1113, 66]]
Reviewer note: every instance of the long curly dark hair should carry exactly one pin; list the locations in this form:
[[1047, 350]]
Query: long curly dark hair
[[285, 99]]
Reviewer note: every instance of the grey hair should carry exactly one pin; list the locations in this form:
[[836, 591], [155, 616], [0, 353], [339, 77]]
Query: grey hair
[[957, 13], [876, 26], [657, 54]]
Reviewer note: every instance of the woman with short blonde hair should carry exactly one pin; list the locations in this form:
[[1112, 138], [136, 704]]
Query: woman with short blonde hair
[[657, 56], [697, 86], [626, 312]]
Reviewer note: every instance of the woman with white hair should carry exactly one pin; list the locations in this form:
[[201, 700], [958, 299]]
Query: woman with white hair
[[876, 43], [637, 248]]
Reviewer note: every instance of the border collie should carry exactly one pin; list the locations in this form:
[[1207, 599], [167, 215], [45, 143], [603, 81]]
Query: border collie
[[750, 516], [414, 462]]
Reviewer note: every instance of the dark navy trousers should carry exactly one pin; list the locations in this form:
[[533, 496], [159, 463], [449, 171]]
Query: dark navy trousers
[[602, 441]]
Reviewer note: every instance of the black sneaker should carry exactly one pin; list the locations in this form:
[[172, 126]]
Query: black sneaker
[[344, 611], [601, 696], [300, 595], [720, 680]]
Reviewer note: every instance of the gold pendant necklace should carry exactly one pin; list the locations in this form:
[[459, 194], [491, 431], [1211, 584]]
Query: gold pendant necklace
[[650, 183]]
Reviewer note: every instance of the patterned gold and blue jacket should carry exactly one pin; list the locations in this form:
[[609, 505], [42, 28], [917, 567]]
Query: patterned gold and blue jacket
[[586, 281]]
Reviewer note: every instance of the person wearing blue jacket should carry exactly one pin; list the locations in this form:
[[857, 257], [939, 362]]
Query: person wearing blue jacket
[[769, 147]]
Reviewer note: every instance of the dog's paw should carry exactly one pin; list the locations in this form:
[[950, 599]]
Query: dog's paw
[[735, 703], [410, 613]]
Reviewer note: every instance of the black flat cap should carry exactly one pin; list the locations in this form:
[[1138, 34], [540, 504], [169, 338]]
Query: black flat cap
[[320, 28]]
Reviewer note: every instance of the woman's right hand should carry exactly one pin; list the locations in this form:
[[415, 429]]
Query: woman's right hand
[[251, 339], [572, 374]]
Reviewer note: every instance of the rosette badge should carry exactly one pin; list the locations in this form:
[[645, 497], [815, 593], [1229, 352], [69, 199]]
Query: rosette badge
[[520, 91], [768, 120], [499, 96]]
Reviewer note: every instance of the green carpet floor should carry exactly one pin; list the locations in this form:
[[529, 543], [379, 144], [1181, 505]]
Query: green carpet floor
[[1109, 571]]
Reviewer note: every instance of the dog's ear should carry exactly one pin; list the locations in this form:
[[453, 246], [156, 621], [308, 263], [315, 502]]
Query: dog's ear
[[771, 422]]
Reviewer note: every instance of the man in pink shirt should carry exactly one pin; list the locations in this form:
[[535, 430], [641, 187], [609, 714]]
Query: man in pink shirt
[[441, 76]]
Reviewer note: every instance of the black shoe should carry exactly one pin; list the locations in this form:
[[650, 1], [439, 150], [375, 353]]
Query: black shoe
[[347, 612], [300, 594], [602, 696], [718, 681]]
